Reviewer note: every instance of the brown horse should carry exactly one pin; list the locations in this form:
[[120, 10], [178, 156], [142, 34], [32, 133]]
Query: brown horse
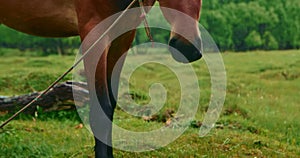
[[63, 18]]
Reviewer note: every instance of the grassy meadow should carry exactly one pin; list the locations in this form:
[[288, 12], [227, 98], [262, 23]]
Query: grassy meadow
[[260, 117]]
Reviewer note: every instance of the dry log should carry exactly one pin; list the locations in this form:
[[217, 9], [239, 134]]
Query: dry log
[[58, 98]]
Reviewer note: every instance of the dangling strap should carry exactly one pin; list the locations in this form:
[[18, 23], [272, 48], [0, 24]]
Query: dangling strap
[[143, 15]]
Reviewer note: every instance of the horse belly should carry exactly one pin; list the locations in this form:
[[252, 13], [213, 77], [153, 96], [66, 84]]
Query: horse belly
[[49, 18]]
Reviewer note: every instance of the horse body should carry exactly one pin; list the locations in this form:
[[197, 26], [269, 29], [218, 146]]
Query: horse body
[[50, 18], [62, 18]]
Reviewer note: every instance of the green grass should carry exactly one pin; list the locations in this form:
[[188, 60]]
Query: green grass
[[19, 75], [260, 117]]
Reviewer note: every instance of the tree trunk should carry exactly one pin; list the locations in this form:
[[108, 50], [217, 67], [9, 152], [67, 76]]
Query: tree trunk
[[58, 98]]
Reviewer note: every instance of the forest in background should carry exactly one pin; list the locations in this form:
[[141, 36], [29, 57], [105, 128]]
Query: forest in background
[[235, 25]]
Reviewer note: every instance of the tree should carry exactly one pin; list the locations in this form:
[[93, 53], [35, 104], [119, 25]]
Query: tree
[[229, 22], [217, 24], [247, 17], [269, 41], [253, 41]]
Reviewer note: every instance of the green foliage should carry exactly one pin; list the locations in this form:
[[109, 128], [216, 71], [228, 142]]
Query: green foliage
[[13, 39], [230, 22], [276, 21], [270, 42], [216, 23], [253, 41]]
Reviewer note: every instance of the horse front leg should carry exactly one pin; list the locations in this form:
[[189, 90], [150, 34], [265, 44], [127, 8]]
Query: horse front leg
[[101, 110], [99, 75], [115, 60], [103, 79], [106, 82]]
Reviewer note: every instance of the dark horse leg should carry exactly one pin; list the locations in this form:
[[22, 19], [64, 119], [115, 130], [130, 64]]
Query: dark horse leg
[[110, 66], [102, 80], [96, 72], [115, 60]]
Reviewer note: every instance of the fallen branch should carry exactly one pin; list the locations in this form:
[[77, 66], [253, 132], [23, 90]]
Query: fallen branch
[[58, 98]]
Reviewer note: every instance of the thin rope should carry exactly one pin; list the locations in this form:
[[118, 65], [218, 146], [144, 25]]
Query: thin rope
[[147, 28]]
